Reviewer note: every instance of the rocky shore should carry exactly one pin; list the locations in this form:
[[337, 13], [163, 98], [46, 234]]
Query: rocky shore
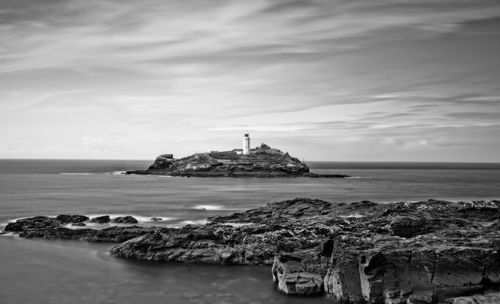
[[362, 252], [57, 228], [264, 161]]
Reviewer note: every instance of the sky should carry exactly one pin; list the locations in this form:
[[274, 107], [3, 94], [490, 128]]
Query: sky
[[332, 80]]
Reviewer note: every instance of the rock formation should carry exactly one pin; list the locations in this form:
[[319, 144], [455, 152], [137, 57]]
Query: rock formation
[[74, 219], [125, 220], [262, 162], [52, 228], [361, 252], [104, 219]]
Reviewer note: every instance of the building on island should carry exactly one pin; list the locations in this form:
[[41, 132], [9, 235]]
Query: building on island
[[246, 144]]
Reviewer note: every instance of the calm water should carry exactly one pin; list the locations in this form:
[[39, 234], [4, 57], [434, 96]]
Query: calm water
[[37, 271]]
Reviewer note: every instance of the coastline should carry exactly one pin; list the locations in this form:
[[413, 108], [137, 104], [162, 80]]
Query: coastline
[[270, 236]]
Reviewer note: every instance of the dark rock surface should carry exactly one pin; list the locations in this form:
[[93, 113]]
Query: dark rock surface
[[262, 162], [101, 219], [362, 252], [125, 220], [33, 223], [51, 228], [66, 218], [359, 252]]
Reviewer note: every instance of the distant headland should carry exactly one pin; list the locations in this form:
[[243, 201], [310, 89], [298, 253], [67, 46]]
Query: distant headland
[[262, 161]]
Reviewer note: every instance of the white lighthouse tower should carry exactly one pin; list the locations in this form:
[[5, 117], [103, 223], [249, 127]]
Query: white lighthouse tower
[[246, 144]]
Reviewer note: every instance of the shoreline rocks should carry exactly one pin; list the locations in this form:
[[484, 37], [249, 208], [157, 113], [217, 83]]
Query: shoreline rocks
[[73, 219], [54, 228], [104, 219], [125, 220], [361, 252]]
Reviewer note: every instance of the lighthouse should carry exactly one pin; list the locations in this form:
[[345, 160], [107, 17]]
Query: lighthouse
[[246, 144]]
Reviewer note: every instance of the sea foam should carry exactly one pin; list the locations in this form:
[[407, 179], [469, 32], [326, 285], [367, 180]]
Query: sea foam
[[208, 207], [76, 173], [194, 222]]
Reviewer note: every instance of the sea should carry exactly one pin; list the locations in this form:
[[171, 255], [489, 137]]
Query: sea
[[42, 271]]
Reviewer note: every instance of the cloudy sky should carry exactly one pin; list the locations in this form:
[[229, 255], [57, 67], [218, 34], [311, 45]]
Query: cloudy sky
[[401, 80]]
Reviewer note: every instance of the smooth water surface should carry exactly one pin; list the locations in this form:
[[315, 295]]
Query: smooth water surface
[[39, 271]]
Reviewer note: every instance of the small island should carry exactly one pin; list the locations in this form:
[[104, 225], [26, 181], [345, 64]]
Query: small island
[[262, 161]]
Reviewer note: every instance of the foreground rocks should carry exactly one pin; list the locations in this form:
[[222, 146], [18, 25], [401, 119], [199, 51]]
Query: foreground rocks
[[421, 252], [54, 228], [362, 252], [264, 161]]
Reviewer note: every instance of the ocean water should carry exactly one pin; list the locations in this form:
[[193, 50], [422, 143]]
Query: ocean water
[[40, 271]]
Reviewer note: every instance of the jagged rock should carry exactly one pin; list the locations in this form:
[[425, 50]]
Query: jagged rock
[[300, 273], [125, 220], [361, 252], [67, 218], [214, 244], [426, 259], [163, 161], [34, 223], [342, 278], [51, 228], [101, 219], [409, 227]]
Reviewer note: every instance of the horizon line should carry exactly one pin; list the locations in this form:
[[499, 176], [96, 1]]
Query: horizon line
[[333, 161]]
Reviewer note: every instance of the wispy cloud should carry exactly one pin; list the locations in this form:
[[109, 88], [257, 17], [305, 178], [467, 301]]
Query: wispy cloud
[[394, 71], [101, 33]]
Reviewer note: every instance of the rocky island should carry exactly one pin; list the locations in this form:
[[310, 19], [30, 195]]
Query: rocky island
[[362, 252], [262, 161]]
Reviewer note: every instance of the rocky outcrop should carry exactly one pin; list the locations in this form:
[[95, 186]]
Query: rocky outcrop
[[262, 162], [411, 253], [300, 273], [52, 228], [125, 220], [104, 219], [361, 252], [214, 244], [34, 223], [66, 218]]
